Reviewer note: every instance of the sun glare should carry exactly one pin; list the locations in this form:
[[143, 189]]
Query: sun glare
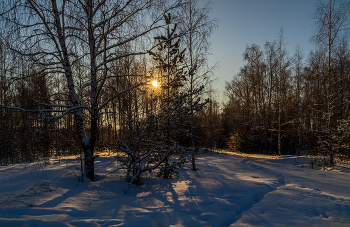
[[155, 83]]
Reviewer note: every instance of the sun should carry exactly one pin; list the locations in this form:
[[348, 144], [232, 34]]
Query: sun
[[155, 83]]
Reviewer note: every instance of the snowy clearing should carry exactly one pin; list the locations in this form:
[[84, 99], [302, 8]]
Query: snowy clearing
[[227, 190]]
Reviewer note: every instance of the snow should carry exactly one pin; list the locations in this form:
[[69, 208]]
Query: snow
[[161, 219], [227, 190]]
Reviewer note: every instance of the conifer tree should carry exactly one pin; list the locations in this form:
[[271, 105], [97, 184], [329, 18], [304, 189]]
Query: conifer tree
[[177, 103], [169, 59]]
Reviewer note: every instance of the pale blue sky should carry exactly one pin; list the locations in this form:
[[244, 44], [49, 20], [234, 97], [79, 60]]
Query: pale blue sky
[[243, 22]]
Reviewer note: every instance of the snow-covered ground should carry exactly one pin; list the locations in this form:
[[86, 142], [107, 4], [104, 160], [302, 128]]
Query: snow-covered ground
[[227, 190]]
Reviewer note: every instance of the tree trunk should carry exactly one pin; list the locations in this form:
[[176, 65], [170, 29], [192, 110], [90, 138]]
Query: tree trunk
[[89, 160]]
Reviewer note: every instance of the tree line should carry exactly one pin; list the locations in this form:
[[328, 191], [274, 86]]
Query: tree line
[[292, 103]]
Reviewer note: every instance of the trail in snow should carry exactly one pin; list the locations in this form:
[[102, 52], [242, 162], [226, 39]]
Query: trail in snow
[[307, 198], [280, 183]]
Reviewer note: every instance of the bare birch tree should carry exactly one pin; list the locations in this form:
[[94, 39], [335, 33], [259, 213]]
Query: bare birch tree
[[197, 28], [330, 20], [298, 71], [283, 64]]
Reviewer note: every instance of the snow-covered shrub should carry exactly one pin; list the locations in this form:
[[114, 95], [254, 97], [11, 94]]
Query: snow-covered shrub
[[325, 149], [341, 146], [141, 151], [234, 142]]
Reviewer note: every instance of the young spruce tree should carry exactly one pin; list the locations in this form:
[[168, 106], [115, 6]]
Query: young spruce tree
[[177, 104]]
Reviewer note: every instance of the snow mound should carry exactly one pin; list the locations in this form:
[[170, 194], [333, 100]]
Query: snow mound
[[131, 220], [160, 219], [129, 216]]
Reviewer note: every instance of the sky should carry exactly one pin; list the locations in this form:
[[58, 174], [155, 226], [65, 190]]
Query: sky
[[244, 22]]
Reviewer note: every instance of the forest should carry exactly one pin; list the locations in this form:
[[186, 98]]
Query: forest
[[109, 116], [132, 78], [294, 103]]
